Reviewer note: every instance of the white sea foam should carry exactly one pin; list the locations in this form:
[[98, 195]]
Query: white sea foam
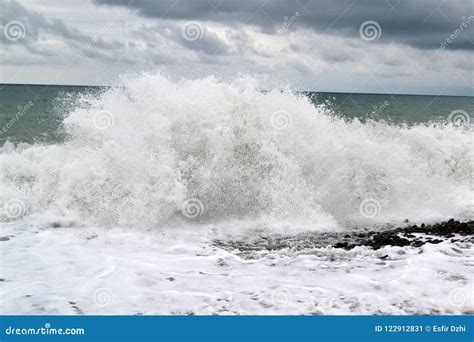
[[139, 151], [121, 271]]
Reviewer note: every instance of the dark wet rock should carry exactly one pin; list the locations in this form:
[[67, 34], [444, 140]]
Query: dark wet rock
[[418, 243], [4, 238], [415, 236], [341, 245], [389, 238], [405, 236]]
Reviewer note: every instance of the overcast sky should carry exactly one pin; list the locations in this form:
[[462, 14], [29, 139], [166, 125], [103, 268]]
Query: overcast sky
[[383, 46]]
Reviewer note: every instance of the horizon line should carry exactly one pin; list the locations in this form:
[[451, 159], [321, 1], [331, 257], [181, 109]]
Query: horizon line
[[305, 91]]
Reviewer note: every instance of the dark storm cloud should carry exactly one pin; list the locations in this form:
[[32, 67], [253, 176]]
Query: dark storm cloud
[[423, 24], [31, 24], [206, 41]]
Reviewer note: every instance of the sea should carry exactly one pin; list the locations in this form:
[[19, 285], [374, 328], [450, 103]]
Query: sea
[[128, 199], [51, 103]]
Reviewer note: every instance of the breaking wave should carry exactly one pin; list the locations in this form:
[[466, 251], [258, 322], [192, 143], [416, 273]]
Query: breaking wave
[[153, 152]]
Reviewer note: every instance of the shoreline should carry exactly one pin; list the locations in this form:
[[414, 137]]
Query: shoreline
[[414, 236], [92, 271]]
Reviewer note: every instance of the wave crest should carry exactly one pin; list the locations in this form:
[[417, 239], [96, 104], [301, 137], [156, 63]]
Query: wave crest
[[221, 143]]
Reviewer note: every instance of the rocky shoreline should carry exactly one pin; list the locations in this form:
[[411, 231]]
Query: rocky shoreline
[[415, 236]]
